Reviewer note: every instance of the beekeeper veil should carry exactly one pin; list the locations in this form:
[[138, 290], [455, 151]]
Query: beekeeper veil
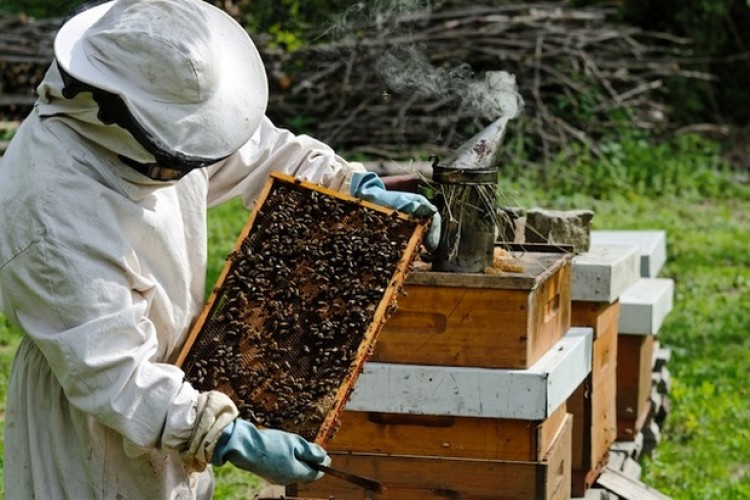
[[181, 76]]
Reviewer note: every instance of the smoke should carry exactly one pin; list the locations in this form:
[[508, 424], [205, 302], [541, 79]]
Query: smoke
[[375, 13], [405, 68]]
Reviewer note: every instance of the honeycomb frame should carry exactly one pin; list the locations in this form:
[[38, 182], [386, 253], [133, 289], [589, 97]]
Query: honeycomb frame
[[297, 308]]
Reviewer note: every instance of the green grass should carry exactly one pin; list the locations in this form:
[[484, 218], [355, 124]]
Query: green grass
[[9, 340], [705, 448]]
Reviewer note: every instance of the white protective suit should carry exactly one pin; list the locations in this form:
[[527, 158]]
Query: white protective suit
[[103, 269]]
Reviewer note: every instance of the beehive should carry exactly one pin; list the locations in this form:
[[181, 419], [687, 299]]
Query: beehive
[[411, 477], [593, 403], [447, 436], [505, 320], [299, 304]]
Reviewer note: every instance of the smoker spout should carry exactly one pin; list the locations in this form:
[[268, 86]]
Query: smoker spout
[[480, 152]]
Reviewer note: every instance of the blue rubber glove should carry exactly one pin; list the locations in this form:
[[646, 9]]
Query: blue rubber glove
[[368, 186], [274, 455]]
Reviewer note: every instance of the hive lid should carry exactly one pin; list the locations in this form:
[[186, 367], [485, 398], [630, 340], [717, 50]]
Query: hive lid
[[536, 262]]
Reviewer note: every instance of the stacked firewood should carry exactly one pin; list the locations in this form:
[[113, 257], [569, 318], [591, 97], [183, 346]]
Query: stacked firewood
[[400, 84], [392, 83], [25, 55]]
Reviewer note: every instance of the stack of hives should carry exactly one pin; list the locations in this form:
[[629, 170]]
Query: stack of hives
[[600, 276], [614, 291], [465, 396], [642, 375]]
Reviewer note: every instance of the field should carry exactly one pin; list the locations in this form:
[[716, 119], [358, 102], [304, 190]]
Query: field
[[706, 441]]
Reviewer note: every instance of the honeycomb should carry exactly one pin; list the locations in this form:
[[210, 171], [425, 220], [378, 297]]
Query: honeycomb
[[298, 306]]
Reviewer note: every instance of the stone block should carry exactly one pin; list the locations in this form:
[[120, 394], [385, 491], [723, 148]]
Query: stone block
[[572, 227]]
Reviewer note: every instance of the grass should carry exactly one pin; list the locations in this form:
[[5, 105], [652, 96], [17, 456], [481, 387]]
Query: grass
[[705, 448], [706, 442]]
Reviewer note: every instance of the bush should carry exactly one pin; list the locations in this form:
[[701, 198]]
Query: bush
[[720, 34], [688, 166]]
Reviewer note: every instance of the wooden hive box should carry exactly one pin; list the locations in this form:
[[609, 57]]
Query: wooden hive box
[[420, 478], [297, 308], [634, 363], [505, 320], [482, 422], [447, 436], [644, 307], [593, 404], [462, 412]]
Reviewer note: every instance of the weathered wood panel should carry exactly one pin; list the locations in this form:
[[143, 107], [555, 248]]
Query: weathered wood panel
[[444, 436], [420, 478]]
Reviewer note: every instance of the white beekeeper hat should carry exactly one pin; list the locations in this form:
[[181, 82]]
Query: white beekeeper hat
[[188, 73]]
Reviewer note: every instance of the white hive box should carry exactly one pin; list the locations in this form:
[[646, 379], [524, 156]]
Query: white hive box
[[604, 272], [644, 306], [530, 394], [652, 245]]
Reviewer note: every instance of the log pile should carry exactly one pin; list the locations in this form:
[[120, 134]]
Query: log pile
[[394, 83], [25, 55], [401, 83]]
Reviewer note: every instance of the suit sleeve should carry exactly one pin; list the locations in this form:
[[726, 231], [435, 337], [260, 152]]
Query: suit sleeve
[[275, 149]]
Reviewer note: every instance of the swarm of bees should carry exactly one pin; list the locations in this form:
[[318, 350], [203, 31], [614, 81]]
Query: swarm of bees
[[287, 326]]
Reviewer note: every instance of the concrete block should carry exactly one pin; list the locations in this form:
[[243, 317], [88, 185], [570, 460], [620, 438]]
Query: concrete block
[[626, 449], [626, 487], [604, 272], [571, 227], [652, 246], [662, 355], [531, 394], [644, 306], [651, 438], [661, 413], [598, 494], [616, 459], [655, 399], [662, 380], [632, 469]]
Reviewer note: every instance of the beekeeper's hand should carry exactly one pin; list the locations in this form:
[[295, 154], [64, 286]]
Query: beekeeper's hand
[[274, 455], [368, 186]]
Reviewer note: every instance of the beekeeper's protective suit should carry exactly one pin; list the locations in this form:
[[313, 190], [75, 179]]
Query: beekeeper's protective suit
[[102, 261]]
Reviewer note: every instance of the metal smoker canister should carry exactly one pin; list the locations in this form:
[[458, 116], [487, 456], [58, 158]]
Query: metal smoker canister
[[467, 237]]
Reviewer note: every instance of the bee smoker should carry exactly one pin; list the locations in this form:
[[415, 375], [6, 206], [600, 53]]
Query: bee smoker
[[466, 188]]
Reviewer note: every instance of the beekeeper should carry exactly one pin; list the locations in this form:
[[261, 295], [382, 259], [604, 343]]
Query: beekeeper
[[152, 112]]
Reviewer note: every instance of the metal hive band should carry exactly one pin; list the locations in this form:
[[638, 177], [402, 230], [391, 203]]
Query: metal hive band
[[299, 304]]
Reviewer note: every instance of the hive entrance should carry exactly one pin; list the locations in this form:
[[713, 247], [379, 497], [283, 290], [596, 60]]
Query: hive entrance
[[298, 306]]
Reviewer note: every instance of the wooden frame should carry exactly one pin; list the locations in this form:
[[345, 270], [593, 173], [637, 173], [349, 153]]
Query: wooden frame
[[368, 337]]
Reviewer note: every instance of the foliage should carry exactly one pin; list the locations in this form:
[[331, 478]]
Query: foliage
[[224, 225], [721, 39], [41, 9], [633, 162], [9, 340], [235, 484], [288, 22], [719, 31], [712, 268], [6, 134]]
